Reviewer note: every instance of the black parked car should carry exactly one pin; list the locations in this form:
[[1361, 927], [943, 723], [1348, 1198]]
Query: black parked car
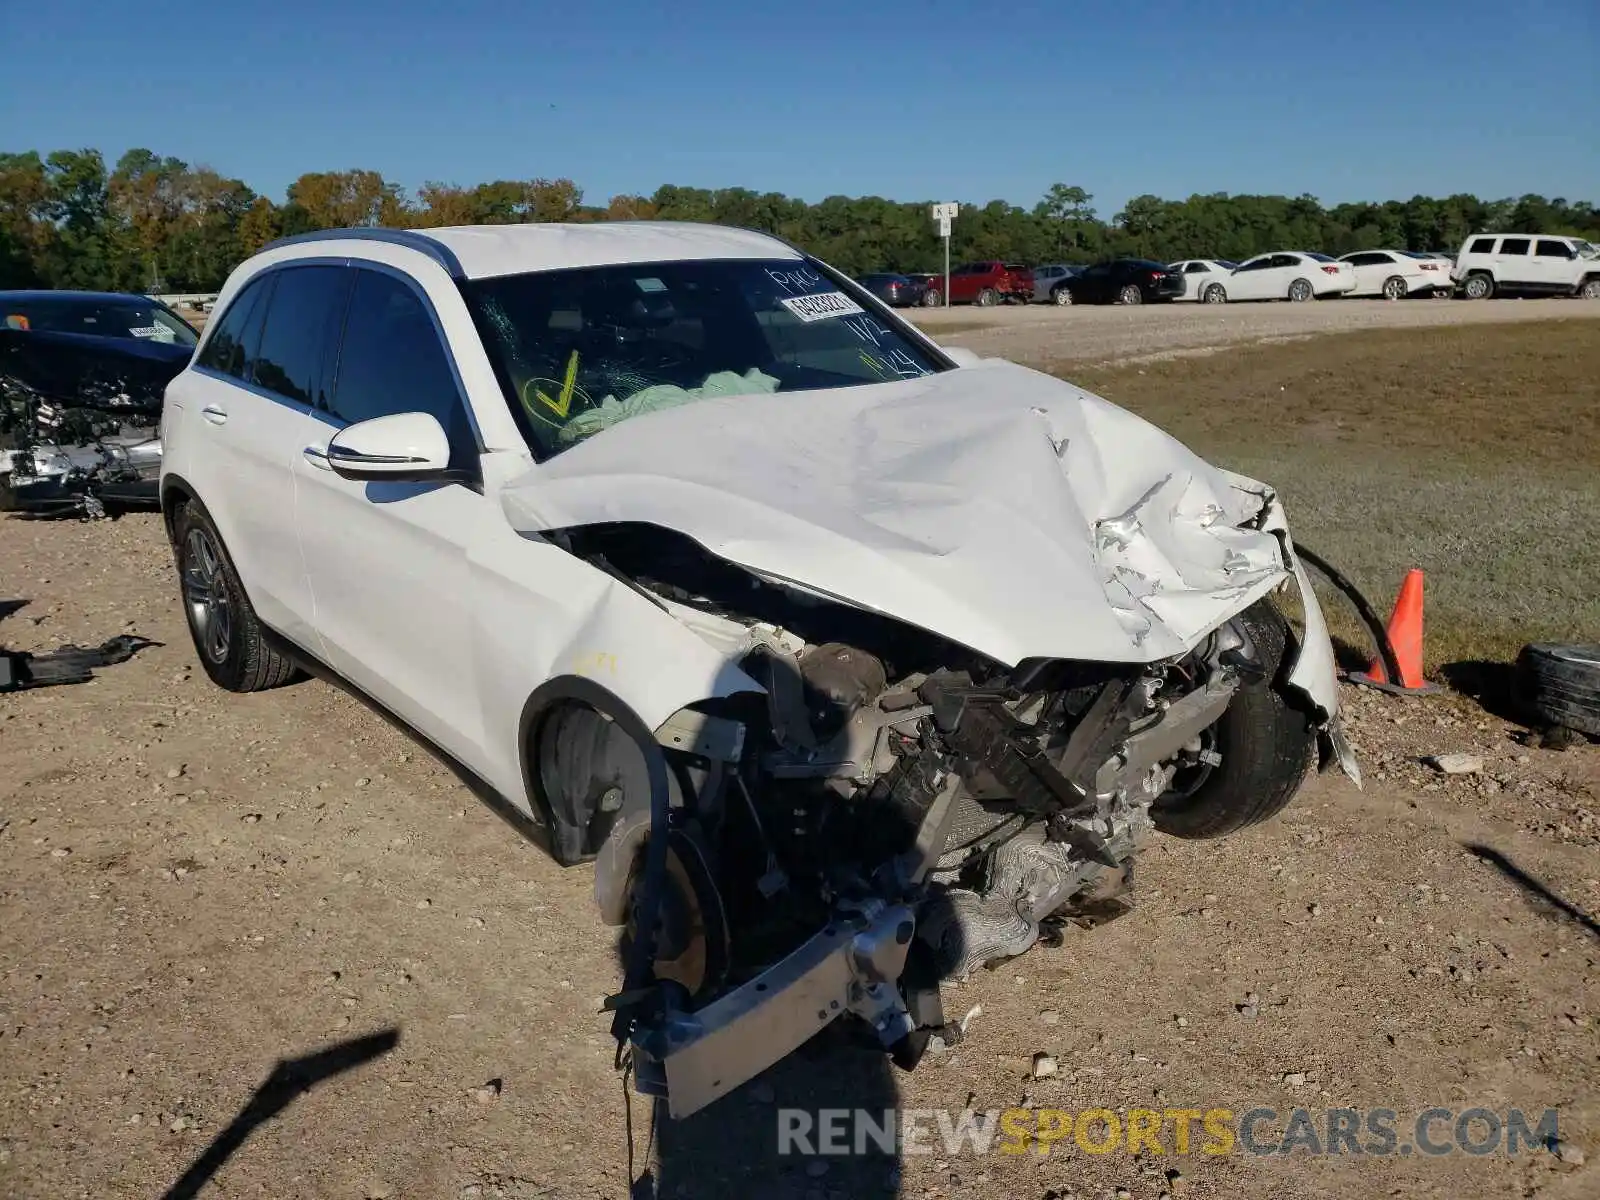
[[897, 291], [1125, 281]]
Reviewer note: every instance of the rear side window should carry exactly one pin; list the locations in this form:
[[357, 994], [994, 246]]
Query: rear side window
[[305, 304], [393, 361], [231, 347], [1552, 250], [1481, 246], [1514, 246]]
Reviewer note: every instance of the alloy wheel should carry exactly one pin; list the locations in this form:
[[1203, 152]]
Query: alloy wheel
[[205, 596]]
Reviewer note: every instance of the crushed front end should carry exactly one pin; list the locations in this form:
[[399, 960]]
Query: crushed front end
[[80, 421], [892, 809]]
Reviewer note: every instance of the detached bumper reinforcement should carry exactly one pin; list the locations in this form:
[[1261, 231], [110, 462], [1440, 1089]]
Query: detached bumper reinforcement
[[852, 965]]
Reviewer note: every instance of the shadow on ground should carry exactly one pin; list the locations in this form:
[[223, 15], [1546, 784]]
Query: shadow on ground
[[291, 1078], [1491, 684], [1545, 901], [732, 1147]]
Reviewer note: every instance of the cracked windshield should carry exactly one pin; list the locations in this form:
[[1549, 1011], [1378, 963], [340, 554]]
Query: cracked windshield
[[579, 351]]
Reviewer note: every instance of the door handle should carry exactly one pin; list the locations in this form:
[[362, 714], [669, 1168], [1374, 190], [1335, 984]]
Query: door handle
[[317, 456], [215, 413]]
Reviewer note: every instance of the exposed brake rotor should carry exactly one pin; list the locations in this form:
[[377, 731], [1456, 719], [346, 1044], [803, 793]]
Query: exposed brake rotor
[[692, 931]]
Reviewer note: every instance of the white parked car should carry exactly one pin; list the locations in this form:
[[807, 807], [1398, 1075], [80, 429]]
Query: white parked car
[[834, 650], [1205, 279], [1290, 275], [1396, 274], [1527, 264]]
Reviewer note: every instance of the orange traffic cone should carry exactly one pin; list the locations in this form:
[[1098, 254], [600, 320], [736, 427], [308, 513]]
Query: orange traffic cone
[[1405, 635]]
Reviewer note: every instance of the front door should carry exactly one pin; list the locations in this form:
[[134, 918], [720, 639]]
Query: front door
[[388, 562]]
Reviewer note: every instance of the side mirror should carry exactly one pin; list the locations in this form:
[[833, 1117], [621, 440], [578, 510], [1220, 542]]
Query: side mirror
[[962, 357], [399, 447]]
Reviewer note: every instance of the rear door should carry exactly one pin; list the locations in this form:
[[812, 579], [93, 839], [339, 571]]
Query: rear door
[[1514, 262], [388, 562], [255, 409]]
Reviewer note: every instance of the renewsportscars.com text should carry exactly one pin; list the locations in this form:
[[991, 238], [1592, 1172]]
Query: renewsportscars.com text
[[1167, 1131]]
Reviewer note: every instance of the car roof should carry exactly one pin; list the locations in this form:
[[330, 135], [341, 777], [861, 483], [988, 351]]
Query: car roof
[[485, 251], [26, 294]]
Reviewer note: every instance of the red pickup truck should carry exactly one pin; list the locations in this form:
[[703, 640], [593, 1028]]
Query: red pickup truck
[[990, 282]]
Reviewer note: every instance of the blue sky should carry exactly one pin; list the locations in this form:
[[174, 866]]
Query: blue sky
[[913, 99]]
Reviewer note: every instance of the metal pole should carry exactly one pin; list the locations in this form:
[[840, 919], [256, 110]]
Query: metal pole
[[947, 270]]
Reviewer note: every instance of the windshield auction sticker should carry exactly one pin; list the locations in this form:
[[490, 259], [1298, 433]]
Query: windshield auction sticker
[[821, 306]]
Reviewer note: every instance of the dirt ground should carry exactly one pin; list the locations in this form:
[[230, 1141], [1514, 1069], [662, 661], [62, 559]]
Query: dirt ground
[[196, 886], [1107, 334]]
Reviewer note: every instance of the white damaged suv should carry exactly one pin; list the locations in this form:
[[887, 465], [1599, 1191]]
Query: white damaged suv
[[852, 662], [1528, 265]]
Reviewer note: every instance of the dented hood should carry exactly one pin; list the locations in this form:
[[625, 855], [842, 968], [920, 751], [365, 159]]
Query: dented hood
[[994, 505]]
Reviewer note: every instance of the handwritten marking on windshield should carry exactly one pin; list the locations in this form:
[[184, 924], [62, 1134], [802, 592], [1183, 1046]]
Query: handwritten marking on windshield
[[563, 403]]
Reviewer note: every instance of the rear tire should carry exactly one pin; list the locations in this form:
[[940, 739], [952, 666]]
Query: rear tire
[[228, 639], [986, 298], [932, 298], [1061, 296], [1267, 746], [1478, 286], [1301, 290], [1394, 288], [1130, 295]]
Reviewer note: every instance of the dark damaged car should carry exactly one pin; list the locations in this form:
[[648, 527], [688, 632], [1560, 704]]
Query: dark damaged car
[[850, 662], [81, 382]]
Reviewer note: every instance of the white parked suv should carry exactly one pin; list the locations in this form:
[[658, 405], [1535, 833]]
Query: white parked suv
[[847, 659], [1527, 264]]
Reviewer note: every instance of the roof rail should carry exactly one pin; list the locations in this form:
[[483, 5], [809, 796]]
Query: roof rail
[[409, 238]]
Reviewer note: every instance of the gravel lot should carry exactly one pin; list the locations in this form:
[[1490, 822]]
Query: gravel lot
[[1045, 336], [196, 886]]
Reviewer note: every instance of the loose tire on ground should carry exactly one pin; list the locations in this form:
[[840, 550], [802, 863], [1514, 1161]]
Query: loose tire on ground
[[227, 637], [1560, 685], [1266, 745]]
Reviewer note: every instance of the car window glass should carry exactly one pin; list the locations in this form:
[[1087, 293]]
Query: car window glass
[[1481, 246], [392, 360], [228, 348], [1196, 268], [1514, 246], [1285, 260], [1552, 249], [300, 317]]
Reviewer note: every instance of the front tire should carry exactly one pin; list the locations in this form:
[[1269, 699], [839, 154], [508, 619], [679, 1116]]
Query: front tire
[[1266, 745], [1589, 289], [932, 298], [1061, 297], [986, 298], [1214, 294], [227, 636], [1130, 295], [1300, 291], [1478, 286]]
